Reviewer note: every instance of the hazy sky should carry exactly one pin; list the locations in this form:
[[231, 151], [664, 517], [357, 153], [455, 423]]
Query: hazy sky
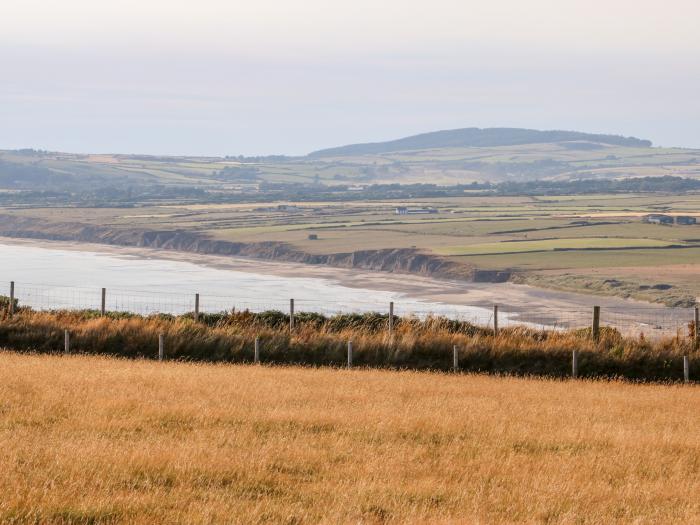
[[282, 76]]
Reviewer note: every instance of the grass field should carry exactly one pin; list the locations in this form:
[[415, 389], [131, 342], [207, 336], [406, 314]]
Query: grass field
[[97, 440], [447, 165], [546, 245]]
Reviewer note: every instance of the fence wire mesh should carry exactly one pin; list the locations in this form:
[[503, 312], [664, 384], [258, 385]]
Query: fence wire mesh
[[633, 321]]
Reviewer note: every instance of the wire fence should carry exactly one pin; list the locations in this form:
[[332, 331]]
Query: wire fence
[[634, 321]]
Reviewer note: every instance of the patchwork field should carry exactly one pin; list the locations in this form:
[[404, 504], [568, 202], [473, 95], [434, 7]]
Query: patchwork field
[[547, 245], [567, 242], [97, 440], [438, 165]]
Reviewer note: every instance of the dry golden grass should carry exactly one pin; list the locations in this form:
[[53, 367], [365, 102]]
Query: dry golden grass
[[317, 340], [93, 440]]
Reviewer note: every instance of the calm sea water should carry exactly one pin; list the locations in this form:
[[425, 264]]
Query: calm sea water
[[54, 278]]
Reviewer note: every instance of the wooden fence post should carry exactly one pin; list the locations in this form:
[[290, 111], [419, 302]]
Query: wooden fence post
[[349, 354], [256, 355], [495, 319], [103, 307], [686, 369], [455, 359], [161, 347], [596, 323], [391, 318], [66, 342], [12, 298], [696, 331], [291, 314], [196, 307], [574, 364]]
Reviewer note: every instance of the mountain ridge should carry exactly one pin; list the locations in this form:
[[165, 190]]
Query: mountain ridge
[[477, 137]]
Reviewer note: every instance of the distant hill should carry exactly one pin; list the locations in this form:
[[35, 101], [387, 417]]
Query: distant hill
[[443, 158], [477, 137]]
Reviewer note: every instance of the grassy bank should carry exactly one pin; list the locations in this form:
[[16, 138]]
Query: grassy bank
[[319, 340], [96, 440], [672, 295]]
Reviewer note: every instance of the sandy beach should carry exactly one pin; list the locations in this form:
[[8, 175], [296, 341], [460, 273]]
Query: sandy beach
[[523, 300]]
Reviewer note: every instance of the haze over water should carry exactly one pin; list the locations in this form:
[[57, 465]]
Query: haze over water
[[49, 278]]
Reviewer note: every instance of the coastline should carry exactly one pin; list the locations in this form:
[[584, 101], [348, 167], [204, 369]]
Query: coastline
[[518, 299]]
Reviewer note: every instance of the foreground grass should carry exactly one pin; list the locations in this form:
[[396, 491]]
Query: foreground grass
[[100, 440]]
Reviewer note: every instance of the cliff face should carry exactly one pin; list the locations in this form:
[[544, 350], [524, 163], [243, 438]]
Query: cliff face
[[401, 260]]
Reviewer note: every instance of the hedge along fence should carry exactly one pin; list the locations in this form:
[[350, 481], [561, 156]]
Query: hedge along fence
[[320, 340]]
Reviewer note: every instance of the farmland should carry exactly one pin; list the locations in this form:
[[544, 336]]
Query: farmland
[[488, 205], [205, 436], [589, 157], [99, 440], [545, 245], [593, 243]]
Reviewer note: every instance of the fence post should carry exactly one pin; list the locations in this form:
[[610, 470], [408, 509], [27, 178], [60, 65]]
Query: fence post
[[291, 314], [103, 307], [349, 354], [574, 364], [696, 331], [256, 354], [686, 369], [391, 318], [196, 307], [455, 359], [495, 319], [596, 323], [12, 298], [66, 342], [161, 347]]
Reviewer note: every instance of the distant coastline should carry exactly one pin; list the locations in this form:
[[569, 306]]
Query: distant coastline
[[518, 299]]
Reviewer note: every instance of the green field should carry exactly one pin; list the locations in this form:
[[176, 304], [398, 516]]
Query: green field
[[446, 165], [570, 242], [546, 245]]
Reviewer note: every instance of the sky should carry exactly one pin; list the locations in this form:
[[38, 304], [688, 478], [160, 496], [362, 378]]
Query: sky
[[230, 77]]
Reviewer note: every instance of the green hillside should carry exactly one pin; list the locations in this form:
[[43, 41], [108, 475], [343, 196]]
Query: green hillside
[[444, 158], [480, 138]]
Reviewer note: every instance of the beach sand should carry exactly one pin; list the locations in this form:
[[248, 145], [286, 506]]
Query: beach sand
[[526, 301]]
